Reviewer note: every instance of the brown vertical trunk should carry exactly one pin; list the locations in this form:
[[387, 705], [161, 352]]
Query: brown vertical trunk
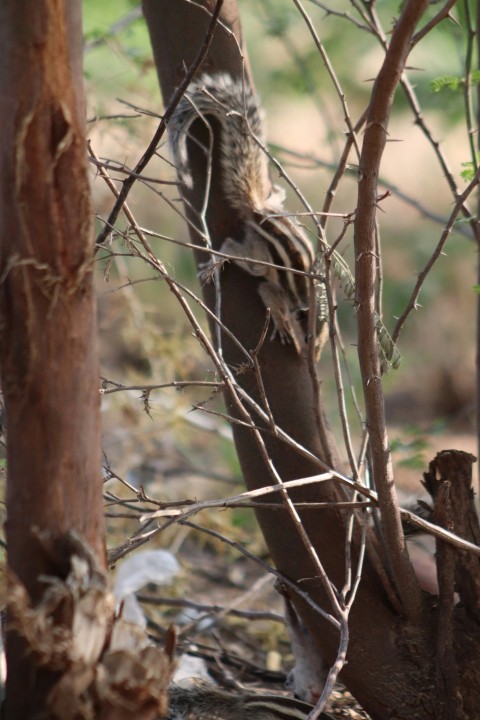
[[48, 353]]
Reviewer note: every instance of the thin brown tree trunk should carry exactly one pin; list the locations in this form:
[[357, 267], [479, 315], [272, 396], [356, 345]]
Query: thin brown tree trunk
[[49, 369]]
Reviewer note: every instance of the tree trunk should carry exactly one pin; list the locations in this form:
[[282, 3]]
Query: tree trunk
[[49, 365], [391, 661]]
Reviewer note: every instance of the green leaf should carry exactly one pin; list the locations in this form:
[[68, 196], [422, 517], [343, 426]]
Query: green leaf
[[454, 83], [469, 171], [470, 168], [465, 221], [448, 82]]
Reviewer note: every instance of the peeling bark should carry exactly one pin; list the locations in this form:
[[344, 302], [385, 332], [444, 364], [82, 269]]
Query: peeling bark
[[449, 482], [48, 353], [101, 666]]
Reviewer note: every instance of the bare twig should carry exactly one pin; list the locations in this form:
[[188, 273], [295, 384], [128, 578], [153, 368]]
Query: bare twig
[[412, 303], [467, 86], [331, 72], [291, 585], [341, 166], [420, 121], [352, 171], [210, 609], [338, 373], [443, 13], [121, 168], [344, 15], [177, 384], [150, 151]]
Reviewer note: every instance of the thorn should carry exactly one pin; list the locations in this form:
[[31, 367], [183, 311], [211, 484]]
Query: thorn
[[453, 19]]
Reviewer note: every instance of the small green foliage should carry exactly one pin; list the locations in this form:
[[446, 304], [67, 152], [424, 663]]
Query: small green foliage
[[465, 220], [449, 82], [469, 169], [468, 172], [452, 82], [476, 289]]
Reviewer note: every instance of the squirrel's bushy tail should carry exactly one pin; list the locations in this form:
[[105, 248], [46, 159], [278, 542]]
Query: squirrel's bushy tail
[[244, 164]]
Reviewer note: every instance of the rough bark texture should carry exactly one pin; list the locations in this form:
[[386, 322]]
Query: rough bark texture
[[48, 352], [449, 482], [390, 663]]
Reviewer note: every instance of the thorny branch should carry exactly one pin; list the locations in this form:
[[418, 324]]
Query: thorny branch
[[365, 273], [420, 121], [412, 303], [441, 15]]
